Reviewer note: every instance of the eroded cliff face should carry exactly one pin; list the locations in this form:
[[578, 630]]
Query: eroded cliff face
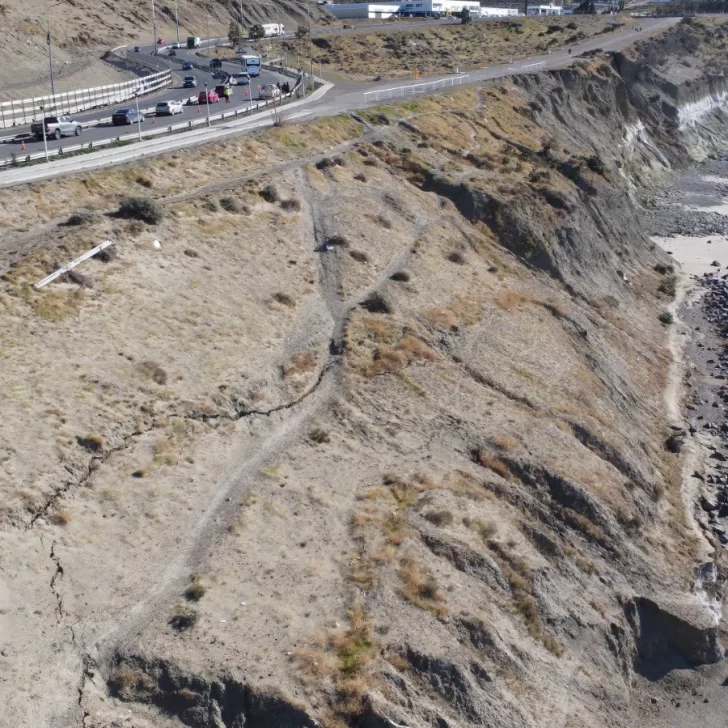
[[441, 494]]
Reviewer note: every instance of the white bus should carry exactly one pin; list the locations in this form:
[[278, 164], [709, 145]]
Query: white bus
[[252, 65]]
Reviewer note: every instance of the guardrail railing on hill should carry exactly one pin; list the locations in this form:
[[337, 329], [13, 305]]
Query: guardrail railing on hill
[[26, 111], [415, 88]]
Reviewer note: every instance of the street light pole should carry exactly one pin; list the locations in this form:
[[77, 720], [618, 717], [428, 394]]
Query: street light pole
[[139, 118], [207, 103], [176, 17], [154, 27], [50, 46]]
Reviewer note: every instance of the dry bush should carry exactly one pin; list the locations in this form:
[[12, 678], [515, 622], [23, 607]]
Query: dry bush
[[359, 256], [291, 204], [457, 257], [377, 303], [590, 529], [313, 665], [61, 517], [57, 305], [144, 181], [386, 360], [485, 529], [284, 299], [93, 443], [402, 276], [319, 435], [152, 370], [143, 209], [360, 177], [504, 442], [230, 204], [270, 193], [491, 461], [439, 518], [415, 348], [196, 590], [183, 617], [209, 205], [419, 587], [509, 300], [300, 363], [81, 217]]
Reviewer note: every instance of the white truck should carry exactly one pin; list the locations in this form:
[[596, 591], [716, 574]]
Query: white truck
[[193, 41], [273, 29]]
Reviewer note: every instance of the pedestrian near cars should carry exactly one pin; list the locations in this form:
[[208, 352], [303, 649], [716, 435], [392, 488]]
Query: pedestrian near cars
[[227, 92]]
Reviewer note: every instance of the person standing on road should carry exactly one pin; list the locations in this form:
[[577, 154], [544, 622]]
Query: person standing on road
[[228, 91]]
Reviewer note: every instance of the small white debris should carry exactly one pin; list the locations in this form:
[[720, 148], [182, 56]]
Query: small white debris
[[289, 654], [242, 604], [223, 621], [157, 245]]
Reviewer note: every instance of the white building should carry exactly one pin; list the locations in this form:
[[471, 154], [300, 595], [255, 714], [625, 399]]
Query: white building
[[404, 7], [498, 12], [545, 10]]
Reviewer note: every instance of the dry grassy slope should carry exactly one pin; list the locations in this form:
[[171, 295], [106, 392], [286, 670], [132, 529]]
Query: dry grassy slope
[[83, 30], [364, 56], [457, 477]]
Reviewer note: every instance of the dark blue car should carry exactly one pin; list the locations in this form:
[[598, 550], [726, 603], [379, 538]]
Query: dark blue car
[[124, 117], [187, 66]]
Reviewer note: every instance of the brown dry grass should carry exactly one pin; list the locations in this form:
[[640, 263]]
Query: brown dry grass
[[419, 587], [493, 462], [300, 363]]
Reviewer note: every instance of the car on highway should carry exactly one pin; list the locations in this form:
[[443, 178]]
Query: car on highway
[[269, 91], [208, 97], [137, 49], [176, 45], [123, 117], [215, 63], [186, 66], [55, 127], [189, 82], [242, 79], [169, 108]]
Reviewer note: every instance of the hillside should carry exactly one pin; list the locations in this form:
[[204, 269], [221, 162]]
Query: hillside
[[84, 30], [364, 420]]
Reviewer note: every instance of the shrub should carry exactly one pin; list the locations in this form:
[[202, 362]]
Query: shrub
[[359, 256], [360, 177], [183, 617], [402, 276], [377, 303], [457, 257], [93, 443], [270, 193], [284, 299], [666, 318], [141, 208], [230, 204], [152, 370], [144, 181], [596, 164], [336, 241], [61, 517], [291, 204], [81, 217], [195, 591], [439, 518], [668, 286], [319, 435], [210, 205]]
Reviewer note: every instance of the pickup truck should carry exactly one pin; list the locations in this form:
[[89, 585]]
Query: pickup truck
[[56, 127]]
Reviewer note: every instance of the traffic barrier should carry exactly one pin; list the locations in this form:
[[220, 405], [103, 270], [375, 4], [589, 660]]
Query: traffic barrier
[[24, 111], [417, 88]]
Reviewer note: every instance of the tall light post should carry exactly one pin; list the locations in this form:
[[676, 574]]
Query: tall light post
[[139, 118], [154, 28], [207, 104], [50, 46], [176, 16]]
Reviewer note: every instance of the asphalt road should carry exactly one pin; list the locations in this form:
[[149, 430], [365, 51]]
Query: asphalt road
[[343, 98], [240, 99]]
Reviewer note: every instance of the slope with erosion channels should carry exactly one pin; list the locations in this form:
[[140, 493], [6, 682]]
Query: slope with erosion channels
[[375, 435]]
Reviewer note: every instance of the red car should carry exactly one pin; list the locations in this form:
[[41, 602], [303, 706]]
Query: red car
[[160, 41], [208, 97]]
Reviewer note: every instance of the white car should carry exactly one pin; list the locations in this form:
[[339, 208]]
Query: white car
[[269, 91], [243, 79], [176, 45], [169, 108]]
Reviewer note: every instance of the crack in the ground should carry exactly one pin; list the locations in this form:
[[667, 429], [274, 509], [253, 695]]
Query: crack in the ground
[[86, 674], [56, 575]]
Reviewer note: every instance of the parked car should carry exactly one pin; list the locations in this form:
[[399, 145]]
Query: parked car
[[208, 97], [243, 79], [269, 91], [160, 41], [169, 108], [136, 49], [55, 127], [186, 66], [189, 82], [123, 117], [176, 45]]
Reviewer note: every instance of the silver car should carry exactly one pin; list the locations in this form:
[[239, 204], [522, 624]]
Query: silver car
[[169, 108]]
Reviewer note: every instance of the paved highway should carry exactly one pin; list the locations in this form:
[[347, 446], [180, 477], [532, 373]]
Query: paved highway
[[240, 99], [343, 98]]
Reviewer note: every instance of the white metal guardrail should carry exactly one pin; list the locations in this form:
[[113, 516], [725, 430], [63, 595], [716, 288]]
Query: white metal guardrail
[[70, 266], [416, 88], [160, 130], [25, 111]]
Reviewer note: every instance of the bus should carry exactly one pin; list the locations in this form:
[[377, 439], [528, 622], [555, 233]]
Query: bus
[[252, 65]]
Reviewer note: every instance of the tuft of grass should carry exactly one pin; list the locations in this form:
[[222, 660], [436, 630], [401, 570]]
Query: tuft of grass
[[230, 204], [81, 217], [419, 587], [319, 435], [457, 257], [57, 305], [196, 590], [359, 256], [292, 204], [401, 276], [485, 529], [270, 193], [144, 181], [93, 443], [377, 303], [491, 461], [666, 318], [439, 518], [300, 363]]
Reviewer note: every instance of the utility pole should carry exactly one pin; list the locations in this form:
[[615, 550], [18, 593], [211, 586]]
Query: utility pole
[[176, 17], [50, 45], [207, 103], [154, 27], [310, 42]]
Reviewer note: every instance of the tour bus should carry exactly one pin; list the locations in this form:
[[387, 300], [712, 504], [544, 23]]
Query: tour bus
[[252, 64]]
